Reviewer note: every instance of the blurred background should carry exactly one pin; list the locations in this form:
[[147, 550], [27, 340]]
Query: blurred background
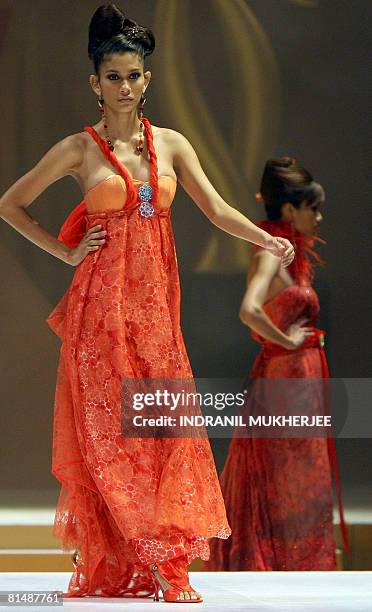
[[243, 80]]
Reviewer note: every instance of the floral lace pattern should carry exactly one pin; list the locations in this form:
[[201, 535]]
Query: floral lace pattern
[[126, 502], [278, 492]]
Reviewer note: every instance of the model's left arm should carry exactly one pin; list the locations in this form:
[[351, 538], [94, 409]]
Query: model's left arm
[[193, 179]]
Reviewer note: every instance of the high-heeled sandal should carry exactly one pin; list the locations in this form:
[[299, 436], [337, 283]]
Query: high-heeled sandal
[[178, 582], [75, 558]]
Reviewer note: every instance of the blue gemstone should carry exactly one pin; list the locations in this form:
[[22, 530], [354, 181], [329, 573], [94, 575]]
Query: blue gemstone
[[145, 192]]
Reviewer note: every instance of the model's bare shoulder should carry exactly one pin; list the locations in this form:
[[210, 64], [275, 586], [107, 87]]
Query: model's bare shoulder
[[64, 158], [73, 147], [174, 141], [166, 133]]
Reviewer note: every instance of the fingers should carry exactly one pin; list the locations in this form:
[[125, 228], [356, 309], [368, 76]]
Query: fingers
[[95, 238], [286, 262], [94, 228], [95, 244], [94, 233], [288, 255], [307, 331], [299, 325], [284, 250], [284, 243], [96, 241]]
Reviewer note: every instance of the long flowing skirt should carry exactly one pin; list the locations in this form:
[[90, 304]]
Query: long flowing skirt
[[126, 502], [278, 491]]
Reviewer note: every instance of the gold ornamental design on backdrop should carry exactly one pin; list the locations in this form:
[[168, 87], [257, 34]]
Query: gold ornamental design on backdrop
[[233, 162]]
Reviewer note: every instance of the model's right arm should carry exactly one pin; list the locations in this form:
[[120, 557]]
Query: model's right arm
[[61, 160], [252, 313]]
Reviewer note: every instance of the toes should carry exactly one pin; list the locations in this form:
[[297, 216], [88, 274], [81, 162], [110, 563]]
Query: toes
[[188, 595]]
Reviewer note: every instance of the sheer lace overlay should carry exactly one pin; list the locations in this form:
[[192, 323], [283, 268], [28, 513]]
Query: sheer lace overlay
[[125, 502], [278, 492]]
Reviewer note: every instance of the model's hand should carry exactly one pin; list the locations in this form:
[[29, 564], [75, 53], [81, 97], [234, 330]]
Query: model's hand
[[281, 247], [298, 334], [91, 242]]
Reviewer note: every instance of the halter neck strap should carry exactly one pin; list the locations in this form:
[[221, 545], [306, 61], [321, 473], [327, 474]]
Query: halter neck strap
[[153, 159], [131, 189]]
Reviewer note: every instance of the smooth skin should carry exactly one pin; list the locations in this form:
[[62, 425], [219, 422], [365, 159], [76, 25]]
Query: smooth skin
[[266, 277]]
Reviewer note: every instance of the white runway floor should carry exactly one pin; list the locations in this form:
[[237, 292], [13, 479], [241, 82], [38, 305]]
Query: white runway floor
[[237, 591]]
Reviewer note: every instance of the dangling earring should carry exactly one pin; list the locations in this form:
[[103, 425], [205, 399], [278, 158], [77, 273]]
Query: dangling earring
[[103, 117], [100, 106], [139, 147]]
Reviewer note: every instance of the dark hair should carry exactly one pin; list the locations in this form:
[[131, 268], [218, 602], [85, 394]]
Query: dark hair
[[284, 181], [110, 32]]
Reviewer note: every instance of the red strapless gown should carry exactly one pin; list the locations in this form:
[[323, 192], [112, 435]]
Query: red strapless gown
[[125, 503], [277, 491]]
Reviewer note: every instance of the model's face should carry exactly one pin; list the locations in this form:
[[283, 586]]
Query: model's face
[[121, 81], [307, 217]]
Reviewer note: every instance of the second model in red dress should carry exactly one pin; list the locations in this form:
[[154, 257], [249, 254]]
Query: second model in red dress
[[277, 491]]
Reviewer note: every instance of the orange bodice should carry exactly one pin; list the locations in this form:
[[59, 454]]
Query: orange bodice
[[111, 194]]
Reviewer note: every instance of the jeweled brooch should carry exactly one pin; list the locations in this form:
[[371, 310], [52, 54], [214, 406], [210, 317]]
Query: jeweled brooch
[[145, 193]]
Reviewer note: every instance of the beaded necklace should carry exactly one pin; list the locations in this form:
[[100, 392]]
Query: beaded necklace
[[148, 191]]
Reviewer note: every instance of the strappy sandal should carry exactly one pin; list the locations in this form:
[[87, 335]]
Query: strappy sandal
[[175, 574], [75, 558]]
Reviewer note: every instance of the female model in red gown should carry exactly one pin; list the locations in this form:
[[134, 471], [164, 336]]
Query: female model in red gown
[[138, 510], [277, 491]]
